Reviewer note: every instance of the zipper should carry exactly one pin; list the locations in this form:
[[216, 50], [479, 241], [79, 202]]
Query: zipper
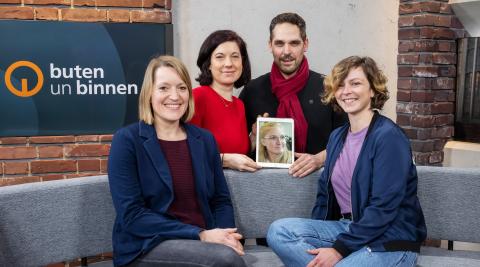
[[328, 194], [355, 170], [330, 169], [369, 251]]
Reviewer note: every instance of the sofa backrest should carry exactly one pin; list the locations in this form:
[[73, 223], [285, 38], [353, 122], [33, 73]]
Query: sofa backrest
[[267, 195], [55, 221], [450, 199]]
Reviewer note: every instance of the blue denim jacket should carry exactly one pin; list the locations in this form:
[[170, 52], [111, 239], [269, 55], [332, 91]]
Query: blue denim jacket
[[386, 213]]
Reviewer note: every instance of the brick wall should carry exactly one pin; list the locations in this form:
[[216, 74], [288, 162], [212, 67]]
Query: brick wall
[[44, 158], [427, 57], [153, 11]]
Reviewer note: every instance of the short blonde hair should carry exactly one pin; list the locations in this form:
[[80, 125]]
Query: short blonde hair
[[145, 110], [375, 77]]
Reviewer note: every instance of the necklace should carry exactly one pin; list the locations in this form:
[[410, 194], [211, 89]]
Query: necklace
[[225, 102]]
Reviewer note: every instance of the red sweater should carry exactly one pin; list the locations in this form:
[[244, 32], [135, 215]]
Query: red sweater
[[185, 206], [225, 119]]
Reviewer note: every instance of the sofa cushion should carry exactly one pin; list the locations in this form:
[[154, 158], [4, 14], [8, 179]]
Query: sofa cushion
[[260, 256], [439, 257], [101, 264], [441, 252], [437, 261], [255, 256]]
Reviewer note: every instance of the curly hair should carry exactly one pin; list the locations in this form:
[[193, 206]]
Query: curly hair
[[375, 77], [209, 45]]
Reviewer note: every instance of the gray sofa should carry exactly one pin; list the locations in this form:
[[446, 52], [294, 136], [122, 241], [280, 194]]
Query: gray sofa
[[57, 221]]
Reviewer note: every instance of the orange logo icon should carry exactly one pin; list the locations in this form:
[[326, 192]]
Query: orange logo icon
[[24, 91]]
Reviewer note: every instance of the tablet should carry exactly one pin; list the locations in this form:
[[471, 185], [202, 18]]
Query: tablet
[[275, 142]]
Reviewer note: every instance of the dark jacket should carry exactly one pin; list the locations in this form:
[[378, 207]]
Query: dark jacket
[[258, 98], [141, 187], [386, 213]]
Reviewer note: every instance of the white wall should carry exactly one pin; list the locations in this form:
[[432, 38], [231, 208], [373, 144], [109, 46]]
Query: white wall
[[336, 29], [461, 154], [467, 11]]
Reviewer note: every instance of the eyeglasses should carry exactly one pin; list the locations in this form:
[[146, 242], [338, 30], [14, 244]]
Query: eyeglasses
[[275, 137]]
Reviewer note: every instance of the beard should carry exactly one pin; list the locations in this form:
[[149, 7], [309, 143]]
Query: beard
[[287, 70]]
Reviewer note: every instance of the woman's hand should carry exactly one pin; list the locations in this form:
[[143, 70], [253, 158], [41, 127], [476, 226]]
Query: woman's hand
[[253, 133], [326, 257], [228, 237], [239, 162]]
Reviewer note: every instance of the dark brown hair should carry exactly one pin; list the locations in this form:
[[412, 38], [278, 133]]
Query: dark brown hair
[[209, 45], [291, 18]]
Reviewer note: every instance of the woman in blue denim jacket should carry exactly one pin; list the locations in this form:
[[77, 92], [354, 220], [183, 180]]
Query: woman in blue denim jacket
[[367, 212]]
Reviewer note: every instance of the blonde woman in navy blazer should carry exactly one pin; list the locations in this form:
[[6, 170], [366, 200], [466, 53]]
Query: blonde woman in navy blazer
[[172, 202]]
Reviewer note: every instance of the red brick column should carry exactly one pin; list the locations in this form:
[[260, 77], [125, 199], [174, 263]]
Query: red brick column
[[42, 158], [427, 54]]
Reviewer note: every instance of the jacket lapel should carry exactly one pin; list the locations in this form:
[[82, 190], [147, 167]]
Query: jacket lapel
[[155, 153], [197, 154]]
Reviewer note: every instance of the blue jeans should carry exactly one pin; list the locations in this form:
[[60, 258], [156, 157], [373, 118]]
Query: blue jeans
[[290, 238]]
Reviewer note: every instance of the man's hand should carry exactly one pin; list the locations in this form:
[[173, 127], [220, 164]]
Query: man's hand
[[326, 257], [306, 164], [228, 237], [239, 162]]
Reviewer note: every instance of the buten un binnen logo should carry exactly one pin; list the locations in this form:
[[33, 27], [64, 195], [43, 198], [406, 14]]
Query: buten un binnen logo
[[24, 91]]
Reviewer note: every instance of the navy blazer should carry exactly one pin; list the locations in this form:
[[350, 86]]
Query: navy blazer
[[386, 212], [142, 190]]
